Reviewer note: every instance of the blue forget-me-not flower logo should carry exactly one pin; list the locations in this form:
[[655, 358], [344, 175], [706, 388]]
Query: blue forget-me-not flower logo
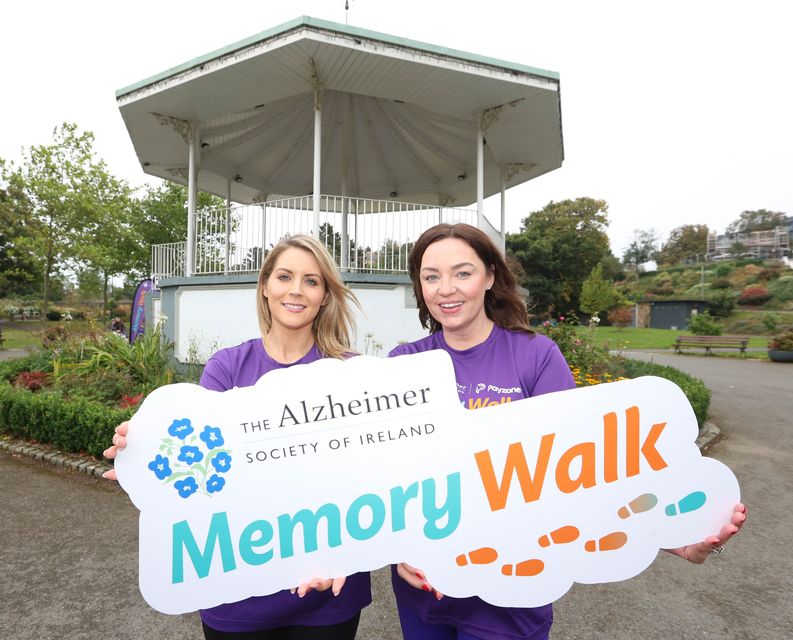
[[215, 483], [180, 428], [212, 437], [192, 462], [221, 462], [186, 487], [190, 455], [161, 467]]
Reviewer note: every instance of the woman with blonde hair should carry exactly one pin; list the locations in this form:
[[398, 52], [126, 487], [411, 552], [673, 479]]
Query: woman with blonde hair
[[304, 312]]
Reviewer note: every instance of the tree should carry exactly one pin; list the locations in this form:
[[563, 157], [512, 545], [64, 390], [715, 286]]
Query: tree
[[597, 293], [160, 217], [759, 220], [59, 183], [558, 247], [613, 269], [643, 248], [20, 267], [109, 242], [684, 243]]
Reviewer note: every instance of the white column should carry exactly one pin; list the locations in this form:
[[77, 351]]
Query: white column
[[345, 141], [192, 193], [228, 227], [480, 176], [502, 229], [345, 234], [317, 159]]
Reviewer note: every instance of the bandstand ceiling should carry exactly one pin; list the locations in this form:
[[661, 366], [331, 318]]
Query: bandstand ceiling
[[398, 117]]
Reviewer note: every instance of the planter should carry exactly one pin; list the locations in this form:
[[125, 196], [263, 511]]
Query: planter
[[780, 356]]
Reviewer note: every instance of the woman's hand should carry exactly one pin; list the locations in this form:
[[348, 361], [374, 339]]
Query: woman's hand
[[320, 584], [416, 578], [700, 551], [119, 442]]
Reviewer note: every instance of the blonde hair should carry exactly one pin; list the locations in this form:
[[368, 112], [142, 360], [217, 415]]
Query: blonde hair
[[334, 326]]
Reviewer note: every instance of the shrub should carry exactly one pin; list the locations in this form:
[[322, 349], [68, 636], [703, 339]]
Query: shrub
[[723, 270], [11, 311], [10, 369], [589, 362], [782, 342], [720, 303], [32, 380], [721, 283], [771, 321], [107, 386], [703, 324], [145, 361], [54, 315], [782, 289], [754, 295], [620, 316], [130, 402], [697, 393], [698, 290], [54, 337], [77, 426]]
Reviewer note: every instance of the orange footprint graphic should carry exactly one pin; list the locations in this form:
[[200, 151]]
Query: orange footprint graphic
[[483, 555], [523, 569], [562, 535], [643, 503], [609, 542]]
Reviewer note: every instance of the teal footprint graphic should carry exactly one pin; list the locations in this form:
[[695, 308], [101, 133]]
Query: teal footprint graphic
[[691, 502]]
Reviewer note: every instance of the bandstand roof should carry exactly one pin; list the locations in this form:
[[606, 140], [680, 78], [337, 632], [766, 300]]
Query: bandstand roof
[[398, 116]]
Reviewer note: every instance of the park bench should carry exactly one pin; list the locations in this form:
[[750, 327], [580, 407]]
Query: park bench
[[711, 342]]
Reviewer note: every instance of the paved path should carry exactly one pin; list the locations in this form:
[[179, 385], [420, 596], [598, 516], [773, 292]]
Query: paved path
[[62, 576], [747, 592]]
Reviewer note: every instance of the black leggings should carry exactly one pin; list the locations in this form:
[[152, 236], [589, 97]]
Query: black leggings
[[341, 631]]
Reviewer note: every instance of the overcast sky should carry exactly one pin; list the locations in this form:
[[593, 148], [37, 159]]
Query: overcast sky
[[674, 112]]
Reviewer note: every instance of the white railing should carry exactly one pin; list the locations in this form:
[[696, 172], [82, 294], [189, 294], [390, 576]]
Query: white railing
[[379, 234], [168, 260]]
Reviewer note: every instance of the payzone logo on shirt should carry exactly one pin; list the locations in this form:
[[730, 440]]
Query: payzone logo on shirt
[[491, 394]]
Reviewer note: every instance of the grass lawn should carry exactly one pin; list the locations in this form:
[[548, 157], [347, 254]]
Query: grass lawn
[[20, 338], [27, 334], [629, 338]]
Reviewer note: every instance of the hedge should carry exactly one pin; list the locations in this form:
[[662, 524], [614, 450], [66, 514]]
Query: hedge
[[81, 425], [75, 425], [697, 393]]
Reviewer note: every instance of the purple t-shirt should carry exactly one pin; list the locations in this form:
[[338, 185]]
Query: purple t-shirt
[[242, 366], [507, 366]]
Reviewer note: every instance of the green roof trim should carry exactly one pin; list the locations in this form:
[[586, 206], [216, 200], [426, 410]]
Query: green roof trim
[[355, 32]]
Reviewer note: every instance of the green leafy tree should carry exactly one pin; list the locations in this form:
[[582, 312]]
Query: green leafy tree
[[20, 266], [684, 243], [109, 239], [613, 269], [643, 248], [558, 247], [59, 181], [160, 217], [759, 220], [597, 293]]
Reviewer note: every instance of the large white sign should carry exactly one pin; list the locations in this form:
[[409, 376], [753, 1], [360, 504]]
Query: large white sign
[[337, 467]]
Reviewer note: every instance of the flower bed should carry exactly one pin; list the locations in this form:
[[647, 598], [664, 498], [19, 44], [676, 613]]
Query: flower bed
[[592, 364]]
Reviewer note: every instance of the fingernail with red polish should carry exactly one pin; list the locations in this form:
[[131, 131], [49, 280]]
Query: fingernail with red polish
[[420, 575], [438, 596], [426, 587]]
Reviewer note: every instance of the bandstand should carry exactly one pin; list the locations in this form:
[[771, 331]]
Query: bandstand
[[361, 138]]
